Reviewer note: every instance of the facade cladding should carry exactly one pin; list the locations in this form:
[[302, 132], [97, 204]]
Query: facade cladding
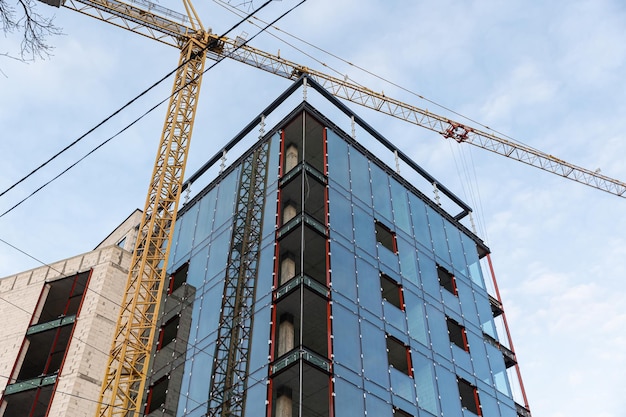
[[309, 279]]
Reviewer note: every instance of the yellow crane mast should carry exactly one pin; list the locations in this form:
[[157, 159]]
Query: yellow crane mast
[[125, 378]]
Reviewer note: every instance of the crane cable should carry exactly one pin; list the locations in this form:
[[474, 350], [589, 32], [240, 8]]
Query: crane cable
[[137, 119]]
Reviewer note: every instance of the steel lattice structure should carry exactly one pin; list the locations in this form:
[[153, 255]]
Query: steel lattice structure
[[230, 364]]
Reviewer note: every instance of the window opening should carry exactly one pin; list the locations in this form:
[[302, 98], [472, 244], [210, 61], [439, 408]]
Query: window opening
[[399, 355], [446, 279], [178, 278], [391, 291], [122, 242], [469, 396], [457, 334], [386, 237], [156, 394], [400, 413], [168, 332]]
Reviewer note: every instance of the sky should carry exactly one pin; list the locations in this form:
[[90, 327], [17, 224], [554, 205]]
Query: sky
[[548, 74]]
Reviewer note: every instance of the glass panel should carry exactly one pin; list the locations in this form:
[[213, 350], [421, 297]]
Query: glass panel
[[274, 154], [468, 306], [400, 207], [479, 357], [186, 225], [408, 260], [438, 234], [394, 316], [438, 331], [415, 317], [425, 382], [368, 279], [462, 358], [259, 347], [365, 238], [210, 310], [373, 343], [205, 216], [360, 176], [348, 399], [402, 385], [347, 341], [428, 275], [338, 168], [485, 314], [420, 221], [380, 192], [343, 274], [377, 407], [449, 393], [200, 376], [340, 214], [226, 198], [456, 247]]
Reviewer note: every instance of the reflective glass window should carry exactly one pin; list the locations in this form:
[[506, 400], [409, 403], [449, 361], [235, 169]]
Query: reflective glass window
[[424, 374], [373, 343], [438, 331], [402, 385], [416, 318], [349, 399], [377, 407], [205, 216], [408, 260], [360, 177], [421, 228], [338, 166], [364, 235], [367, 278], [186, 225], [380, 192], [438, 234], [226, 194], [340, 214], [343, 271], [400, 203], [449, 392], [456, 247], [347, 341]]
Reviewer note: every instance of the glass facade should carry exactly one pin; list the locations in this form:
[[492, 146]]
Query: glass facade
[[358, 296]]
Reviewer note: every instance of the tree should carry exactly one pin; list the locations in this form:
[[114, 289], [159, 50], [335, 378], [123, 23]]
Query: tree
[[23, 19]]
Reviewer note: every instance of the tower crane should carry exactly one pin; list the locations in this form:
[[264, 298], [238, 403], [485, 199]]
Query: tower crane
[[124, 382]]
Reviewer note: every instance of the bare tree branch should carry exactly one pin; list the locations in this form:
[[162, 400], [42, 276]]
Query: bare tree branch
[[35, 28]]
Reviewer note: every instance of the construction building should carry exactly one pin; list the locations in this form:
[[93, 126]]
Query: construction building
[[308, 278]]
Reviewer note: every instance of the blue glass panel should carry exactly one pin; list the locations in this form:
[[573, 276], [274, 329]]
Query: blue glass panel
[[485, 314], [438, 331], [380, 192], [420, 221], [343, 275], [449, 392], [400, 207], [462, 359], [340, 214], [347, 341], [456, 247], [365, 237], [205, 216], [439, 235], [394, 316], [402, 385], [480, 361], [388, 258], [451, 301], [428, 275], [197, 269], [468, 305], [274, 154], [218, 255], [226, 196], [498, 369], [377, 407], [255, 399], [349, 374], [489, 405], [210, 310], [269, 213], [186, 226], [338, 168], [360, 177], [369, 280], [200, 377], [265, 270], [259, 347], [349, 399], [373, 343], [507, 409], [425, 382], [379, 391], [415, 317], [408, 260]]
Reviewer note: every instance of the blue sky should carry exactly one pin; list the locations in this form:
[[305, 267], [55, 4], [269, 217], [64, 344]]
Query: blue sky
[[549, 75]]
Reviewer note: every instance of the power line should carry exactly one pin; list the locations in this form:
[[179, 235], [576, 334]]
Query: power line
[[115, 113]]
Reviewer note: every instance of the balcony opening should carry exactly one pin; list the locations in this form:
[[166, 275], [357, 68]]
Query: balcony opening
[[156, 395], [469, 396], [446, 279], [386, 237], [457, 334], [391, 291], [178, 278], [168, 332], [399, 355]]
